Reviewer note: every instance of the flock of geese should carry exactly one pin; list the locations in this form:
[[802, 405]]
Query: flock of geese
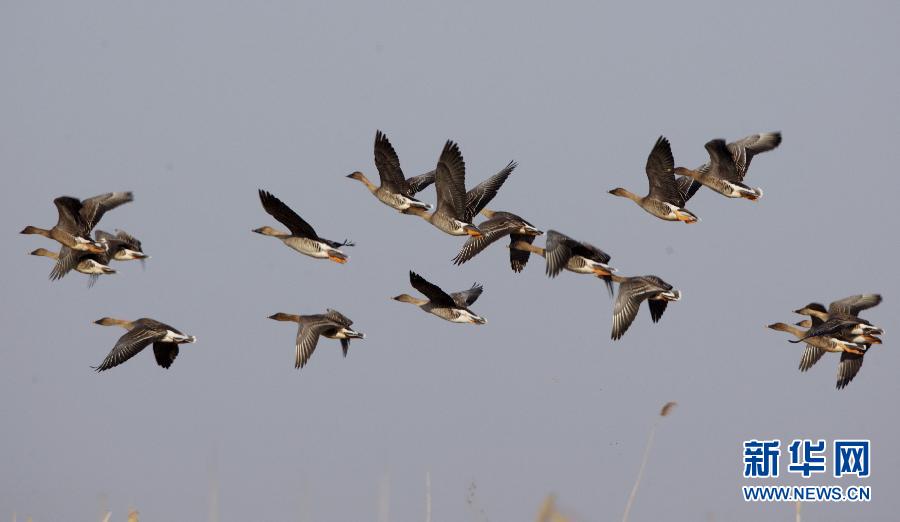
[[836, 329]]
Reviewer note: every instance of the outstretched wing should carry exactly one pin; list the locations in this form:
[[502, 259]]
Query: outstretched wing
[[721, 164], [130, 345], [660, 167], [165, 353], [283, 213], [92, 209], [558, 251], [853, 305], [484, 192], [744, 149], [450, 182], [519, 258], [491, 230], [308, 337], [811, 356], [848, 368], [388, 164], [467, 297], [632, 292], [420, 182], [430, 290], [338, 318]]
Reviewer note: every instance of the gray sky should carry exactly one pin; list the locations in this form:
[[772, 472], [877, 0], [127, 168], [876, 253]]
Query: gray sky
[[194, 107]]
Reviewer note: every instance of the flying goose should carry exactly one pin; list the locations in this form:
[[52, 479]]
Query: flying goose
[[851, 352], [302, 237], [741, 151], [93, 265], [664, 200], [635, 290], [450, 307], [395, 190], [842, 319], [77, 218], [332, 324], [456, 208], [141, 333], [121, 247], [564, 253], [497, 226], [721, 173]]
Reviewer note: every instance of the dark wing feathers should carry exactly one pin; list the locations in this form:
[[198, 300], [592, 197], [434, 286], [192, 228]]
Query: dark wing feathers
[[848, 368], [632, 292], [657, 309], [92, 209], [853, 305], [430, 290], [502, 224], [283, 213], [519, 258], [165, 353], [130, 345], [484, 192], [420, 182], [721, 164], [558, 251], [450, 182], [811, 356], [468, 297], [743, 150], [660, 167], [388, 164]]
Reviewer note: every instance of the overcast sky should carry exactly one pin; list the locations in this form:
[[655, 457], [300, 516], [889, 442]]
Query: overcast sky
[[194, 107]]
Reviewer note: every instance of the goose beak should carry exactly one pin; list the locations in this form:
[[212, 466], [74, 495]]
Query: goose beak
[[472, 230]]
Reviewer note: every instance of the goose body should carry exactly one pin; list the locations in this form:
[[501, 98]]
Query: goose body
[[122, 246], [842, 319], [635, 290], [721, 173], [76, 218], [665, 200], [449, 307], [730, 181], [395, 190], [456, 208], [497, 226], [302, 237], [852, 351], [332, 324], [90, 264], [564, 253], [142, 333]]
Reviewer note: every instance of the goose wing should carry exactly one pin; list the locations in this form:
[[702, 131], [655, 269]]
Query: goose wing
[[632, 292], [165, 353], [743, 150], [311, 328], [519, 258], [130, 345], [69, 210], [558, 250], [848, 368], [430, 290], [811, 356], [721, 164], [491, 230], [287, 217], [450, 182], [67, 260], [853, 305], [338, 318], [388, 164], [468, 297], [132, 242], [420, 182], [689, 186], [660, 167], [92, 209], [484, 192]]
